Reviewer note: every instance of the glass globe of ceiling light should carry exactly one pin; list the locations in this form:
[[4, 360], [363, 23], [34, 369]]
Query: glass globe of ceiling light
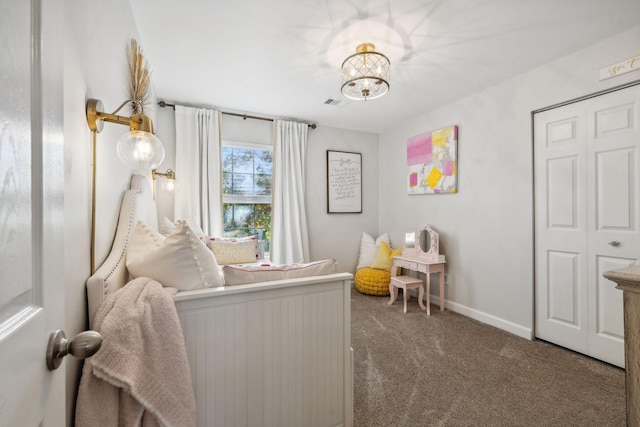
[[365, 74], [140, 150]]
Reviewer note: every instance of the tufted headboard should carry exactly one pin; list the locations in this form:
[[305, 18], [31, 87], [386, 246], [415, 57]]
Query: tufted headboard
[[137, 205]]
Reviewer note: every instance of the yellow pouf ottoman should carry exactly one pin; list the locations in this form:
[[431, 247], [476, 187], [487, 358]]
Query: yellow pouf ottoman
[[372, 281]]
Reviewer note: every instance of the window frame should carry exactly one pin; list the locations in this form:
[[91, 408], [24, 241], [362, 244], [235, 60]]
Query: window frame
[[246, 199]]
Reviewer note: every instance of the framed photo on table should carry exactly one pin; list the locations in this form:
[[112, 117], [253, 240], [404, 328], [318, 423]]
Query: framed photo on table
[[344, 182]]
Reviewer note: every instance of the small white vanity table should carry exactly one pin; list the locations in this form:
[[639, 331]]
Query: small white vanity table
[[422, 257]]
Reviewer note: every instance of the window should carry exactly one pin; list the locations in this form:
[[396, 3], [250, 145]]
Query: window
[[247, 174]]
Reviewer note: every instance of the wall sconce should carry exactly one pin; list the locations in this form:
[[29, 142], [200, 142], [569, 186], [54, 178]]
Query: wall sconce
[[139, 148], [168, 182]]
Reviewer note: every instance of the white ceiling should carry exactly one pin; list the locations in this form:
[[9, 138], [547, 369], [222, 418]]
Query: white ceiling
[[282, 58]]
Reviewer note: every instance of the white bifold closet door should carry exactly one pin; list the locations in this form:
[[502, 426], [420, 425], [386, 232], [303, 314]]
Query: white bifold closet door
[[586, 164]]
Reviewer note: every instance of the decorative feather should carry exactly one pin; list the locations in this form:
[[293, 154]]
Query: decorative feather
[[139, 78]]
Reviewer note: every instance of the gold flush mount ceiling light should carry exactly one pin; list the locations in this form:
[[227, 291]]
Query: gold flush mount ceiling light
[[365, 74]]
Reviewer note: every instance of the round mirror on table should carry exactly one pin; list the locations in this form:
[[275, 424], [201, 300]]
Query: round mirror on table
[[427, 246]]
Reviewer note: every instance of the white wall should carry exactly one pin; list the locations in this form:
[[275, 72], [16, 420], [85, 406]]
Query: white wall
[[338, 235], [330, 235], [486, 228], [94, 67]]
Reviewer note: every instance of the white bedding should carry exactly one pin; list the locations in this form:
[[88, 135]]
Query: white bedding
[[185, 264], [239, 274], [181, 260]]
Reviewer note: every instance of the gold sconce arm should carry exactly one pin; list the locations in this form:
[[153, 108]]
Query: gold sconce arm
[[169, 174], [96, 117]]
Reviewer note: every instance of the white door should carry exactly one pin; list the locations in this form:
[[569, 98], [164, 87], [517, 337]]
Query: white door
[[587, 158], [31, 209]]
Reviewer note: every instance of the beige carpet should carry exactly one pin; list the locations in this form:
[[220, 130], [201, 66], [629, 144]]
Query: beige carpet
[[449, 370]]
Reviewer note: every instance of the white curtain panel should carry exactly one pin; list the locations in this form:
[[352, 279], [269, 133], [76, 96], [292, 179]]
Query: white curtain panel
[[290, 238], [198, 169]]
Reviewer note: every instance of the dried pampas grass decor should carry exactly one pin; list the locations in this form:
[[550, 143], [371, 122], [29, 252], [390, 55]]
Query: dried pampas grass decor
[[139, 78]]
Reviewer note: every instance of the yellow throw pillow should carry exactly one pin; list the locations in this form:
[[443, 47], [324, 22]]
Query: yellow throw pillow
[[384, 259]]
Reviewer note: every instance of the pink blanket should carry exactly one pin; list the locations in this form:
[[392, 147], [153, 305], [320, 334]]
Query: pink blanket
[[140, 376]]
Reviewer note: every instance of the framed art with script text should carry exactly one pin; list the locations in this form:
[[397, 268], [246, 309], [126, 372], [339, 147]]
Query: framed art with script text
[[344, 182]]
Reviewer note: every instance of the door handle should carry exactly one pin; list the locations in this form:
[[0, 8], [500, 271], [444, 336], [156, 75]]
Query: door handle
[[83, 345], [614, 243]]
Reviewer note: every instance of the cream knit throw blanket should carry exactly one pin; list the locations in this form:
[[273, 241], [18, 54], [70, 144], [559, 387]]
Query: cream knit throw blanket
[[140, 376]]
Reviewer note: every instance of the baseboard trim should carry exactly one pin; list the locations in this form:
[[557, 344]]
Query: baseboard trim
[[489, 319]]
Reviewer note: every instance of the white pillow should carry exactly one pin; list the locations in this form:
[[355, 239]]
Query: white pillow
[[255, 273], [369, 248], [181, 260], [167, 226], [144, 239], [234, 250], [195, 226]]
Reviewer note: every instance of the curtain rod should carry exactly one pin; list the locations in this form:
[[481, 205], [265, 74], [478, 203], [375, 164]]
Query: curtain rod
[[244, 116]]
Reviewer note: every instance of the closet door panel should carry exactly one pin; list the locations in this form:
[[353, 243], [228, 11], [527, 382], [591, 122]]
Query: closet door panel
[[613, 159], [562, 194], [560, 229], [614, 191], [606, 337], [564, 288]]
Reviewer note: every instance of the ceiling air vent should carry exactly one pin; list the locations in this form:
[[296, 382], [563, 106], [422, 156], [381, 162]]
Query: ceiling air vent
[[331, 101]]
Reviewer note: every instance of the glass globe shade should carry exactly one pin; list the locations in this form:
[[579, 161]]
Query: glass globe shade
[[169, 185], [140, 150]]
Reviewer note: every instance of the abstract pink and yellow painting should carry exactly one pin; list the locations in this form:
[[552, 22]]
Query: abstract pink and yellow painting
[[431, 160]]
